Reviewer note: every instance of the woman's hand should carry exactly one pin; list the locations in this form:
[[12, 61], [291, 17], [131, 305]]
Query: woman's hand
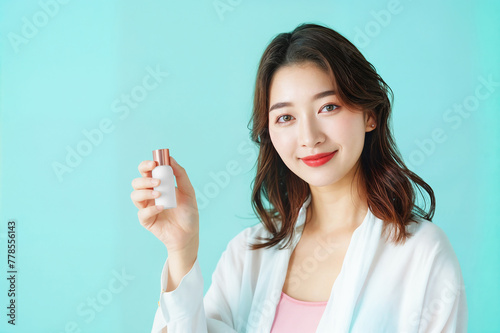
[[177, 228]]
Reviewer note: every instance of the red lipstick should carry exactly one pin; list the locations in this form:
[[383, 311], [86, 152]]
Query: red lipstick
[[318, 159]]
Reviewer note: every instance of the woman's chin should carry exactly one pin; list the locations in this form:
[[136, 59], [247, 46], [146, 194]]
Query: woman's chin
[[319, 180]]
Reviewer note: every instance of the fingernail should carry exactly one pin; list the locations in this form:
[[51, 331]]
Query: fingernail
[[159, 207]]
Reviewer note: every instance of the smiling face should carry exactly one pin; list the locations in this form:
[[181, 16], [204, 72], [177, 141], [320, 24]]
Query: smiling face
[[301, 125]]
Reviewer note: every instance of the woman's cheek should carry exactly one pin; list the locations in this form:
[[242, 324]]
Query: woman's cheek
[[285, 148], [278, 141]]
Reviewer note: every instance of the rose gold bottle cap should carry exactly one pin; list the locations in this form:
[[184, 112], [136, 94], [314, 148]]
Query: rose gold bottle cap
[[162, 156]]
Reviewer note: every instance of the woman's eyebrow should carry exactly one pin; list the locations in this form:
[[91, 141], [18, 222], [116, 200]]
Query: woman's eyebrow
[[315, 97]]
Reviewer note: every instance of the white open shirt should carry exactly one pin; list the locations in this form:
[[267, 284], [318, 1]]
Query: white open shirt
[[415, 287]]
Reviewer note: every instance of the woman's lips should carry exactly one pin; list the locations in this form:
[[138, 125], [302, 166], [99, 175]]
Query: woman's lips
[[319, 161]]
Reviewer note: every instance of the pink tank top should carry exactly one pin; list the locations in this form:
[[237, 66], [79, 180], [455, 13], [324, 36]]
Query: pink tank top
[[293, 315]]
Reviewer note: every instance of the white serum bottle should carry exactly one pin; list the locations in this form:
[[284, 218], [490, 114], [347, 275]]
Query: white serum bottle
[[164, 172]]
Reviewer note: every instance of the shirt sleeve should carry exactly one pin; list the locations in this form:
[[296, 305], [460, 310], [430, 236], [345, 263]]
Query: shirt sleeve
[[185, 310], [445, 306]]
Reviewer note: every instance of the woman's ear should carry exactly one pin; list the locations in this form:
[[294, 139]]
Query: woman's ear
[[370, 121]]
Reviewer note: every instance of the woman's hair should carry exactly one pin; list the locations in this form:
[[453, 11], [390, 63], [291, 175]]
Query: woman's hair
[[389, 183]]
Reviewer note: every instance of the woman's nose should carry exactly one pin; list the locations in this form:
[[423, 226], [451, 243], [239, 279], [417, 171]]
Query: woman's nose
[[310, 133]]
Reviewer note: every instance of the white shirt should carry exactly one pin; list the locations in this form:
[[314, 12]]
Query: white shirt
[[415, 287]]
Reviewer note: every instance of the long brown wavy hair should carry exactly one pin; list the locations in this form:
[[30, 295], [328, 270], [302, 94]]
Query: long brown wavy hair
[[390, 185]]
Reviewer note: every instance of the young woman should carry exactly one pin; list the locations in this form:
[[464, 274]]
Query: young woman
[[344, 247]]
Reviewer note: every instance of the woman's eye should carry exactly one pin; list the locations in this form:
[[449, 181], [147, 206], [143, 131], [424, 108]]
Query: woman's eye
[[289, 117], [285, 115], [336, 106]]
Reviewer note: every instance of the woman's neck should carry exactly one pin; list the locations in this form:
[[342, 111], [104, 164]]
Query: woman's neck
[[339, 207]]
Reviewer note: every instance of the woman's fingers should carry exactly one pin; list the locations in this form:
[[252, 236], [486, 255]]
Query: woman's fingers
[[182, 179], [141, 198], [145, 168], [145, 215], [145, 182], [144, 194]]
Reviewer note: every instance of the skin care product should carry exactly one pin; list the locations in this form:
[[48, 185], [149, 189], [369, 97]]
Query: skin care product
[[164, 172]]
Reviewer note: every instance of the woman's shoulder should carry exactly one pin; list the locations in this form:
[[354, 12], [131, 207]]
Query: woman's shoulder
[[433, 261], [427, 233], [430, 240]]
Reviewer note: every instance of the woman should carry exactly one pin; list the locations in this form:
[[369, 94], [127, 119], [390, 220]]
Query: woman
[[345, 246]]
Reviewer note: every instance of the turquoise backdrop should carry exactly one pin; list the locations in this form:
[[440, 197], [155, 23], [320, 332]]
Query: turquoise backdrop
[[72, 137]]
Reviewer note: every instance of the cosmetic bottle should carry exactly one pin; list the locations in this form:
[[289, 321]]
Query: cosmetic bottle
[[164, 172]]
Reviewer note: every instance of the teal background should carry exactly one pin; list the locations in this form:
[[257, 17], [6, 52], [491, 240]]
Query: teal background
[[77, 231]]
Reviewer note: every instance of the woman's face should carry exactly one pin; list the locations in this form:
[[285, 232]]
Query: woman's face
[[309, 126]]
